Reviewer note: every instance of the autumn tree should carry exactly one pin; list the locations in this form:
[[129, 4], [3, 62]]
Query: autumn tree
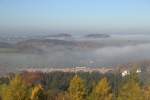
[[146, 91], [102, 91], [130, 91], [77, 90], [38, 93], [62, 96], [2, 89], [16, 90]]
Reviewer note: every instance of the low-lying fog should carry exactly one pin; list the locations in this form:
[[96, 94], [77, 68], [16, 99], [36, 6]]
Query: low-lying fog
[[118, 50]]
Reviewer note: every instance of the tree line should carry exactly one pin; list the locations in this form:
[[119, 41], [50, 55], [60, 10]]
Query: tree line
[[73, 86]]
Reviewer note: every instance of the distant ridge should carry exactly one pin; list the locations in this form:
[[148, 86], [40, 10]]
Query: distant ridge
[[60, 35], [97, 36], [5, 45]]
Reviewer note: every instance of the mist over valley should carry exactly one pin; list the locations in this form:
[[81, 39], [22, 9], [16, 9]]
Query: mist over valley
[[68, 51]]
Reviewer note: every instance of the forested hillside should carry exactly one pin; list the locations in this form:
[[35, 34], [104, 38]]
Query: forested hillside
[[73, 86]]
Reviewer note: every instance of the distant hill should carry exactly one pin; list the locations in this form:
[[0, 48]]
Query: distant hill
[[97, 36], [5, 45], [60, 35], [46, 42], [40, 45]]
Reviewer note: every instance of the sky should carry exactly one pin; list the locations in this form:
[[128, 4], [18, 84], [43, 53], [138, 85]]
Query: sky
[[75, 16]]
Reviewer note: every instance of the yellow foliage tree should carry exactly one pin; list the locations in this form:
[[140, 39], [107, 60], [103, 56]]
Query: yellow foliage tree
[[147, 93], [62, 96], [131, 91], [102, 91], [77, 90], [38, 93], [16, 90]]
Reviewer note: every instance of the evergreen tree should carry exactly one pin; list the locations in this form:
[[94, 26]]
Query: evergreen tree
[[77, 90], [102, 91]]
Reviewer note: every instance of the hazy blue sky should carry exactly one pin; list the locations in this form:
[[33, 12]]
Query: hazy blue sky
[[75, 16]]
